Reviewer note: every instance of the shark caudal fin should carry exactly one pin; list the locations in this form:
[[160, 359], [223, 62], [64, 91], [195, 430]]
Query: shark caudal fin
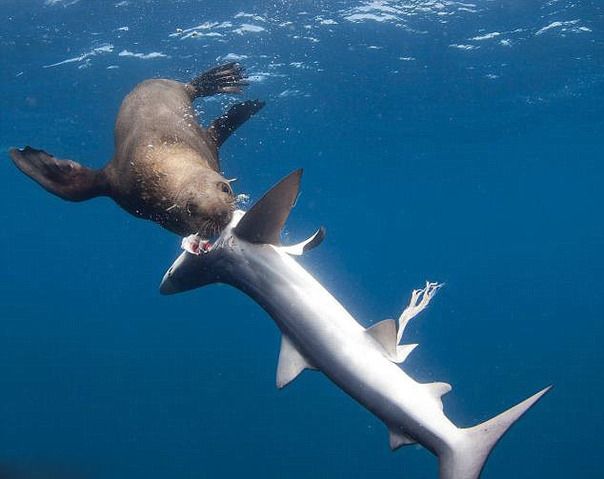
[[467, 459]]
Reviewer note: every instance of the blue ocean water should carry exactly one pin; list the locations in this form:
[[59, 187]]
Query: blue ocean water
[[441, 140]]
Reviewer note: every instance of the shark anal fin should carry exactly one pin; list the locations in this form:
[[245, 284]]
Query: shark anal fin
[[384, 333], [264, 221], [438, 390], [398, 439], [291, 363], [299, 249]]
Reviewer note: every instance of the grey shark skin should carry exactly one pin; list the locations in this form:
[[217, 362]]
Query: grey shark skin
[[318, 333]]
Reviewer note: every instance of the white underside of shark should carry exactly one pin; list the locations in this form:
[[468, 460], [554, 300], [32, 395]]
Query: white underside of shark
[[319, 333]]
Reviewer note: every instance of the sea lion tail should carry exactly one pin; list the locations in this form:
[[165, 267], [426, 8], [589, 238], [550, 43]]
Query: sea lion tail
[[227, 78], [64, 178]]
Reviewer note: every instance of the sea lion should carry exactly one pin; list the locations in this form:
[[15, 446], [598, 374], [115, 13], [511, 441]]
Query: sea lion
[[165, 167]]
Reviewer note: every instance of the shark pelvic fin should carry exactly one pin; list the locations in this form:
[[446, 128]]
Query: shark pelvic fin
[[299, 249], [384, 333], [291, 363], [398, 439], [264, 221], [403, 351], [438, 390]]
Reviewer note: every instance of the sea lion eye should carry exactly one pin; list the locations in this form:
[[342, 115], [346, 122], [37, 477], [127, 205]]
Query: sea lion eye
[[225, 188]]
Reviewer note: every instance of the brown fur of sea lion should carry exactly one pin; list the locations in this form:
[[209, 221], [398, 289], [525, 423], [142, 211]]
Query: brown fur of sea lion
[[165, 167]]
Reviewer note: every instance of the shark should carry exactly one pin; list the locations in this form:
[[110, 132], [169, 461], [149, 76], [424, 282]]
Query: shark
[[318, 333]]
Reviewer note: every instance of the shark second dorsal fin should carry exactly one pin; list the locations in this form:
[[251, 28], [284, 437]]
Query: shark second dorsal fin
[[264, 221], [291, 363], [438, 390]]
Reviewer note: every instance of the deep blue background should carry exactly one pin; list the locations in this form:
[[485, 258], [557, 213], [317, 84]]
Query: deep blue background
[[480, 166]]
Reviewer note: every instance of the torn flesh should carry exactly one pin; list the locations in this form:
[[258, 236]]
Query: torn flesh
[[420, 298], [195, 244]]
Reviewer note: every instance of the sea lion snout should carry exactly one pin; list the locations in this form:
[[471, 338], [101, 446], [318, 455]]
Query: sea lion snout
[[210, 203]]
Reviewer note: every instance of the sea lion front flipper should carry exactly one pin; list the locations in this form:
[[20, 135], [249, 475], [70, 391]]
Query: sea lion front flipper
[[64, 178], [222, 127], [227, 78]]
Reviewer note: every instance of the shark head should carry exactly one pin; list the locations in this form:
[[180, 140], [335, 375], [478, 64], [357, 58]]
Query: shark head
[[261, 225]]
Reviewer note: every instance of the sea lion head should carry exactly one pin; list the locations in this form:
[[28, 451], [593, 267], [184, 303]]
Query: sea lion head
[[204, 205]]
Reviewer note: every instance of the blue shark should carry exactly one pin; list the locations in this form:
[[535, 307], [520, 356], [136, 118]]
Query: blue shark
[[318, 333]]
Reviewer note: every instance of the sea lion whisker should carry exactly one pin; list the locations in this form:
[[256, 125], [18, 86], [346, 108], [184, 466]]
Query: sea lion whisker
[[204, 226]]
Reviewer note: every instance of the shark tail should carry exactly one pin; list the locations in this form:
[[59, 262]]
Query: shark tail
[[468, 456]]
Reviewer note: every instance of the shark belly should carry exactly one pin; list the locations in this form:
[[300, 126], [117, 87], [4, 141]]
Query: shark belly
[[318, 333], [323, 331]]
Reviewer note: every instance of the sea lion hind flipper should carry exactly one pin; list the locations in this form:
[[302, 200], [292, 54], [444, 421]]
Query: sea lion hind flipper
[[64, 178], [227, 78], [223, 126]]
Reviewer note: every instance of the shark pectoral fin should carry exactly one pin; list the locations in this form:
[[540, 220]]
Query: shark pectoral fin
[[438, 390], [384, 333], [291, 363], [264, 221], [398, 439], [403, 351], [299, 249]]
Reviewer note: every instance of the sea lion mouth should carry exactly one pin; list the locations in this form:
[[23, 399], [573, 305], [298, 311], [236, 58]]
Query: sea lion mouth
[[212, 226], [196, 245]]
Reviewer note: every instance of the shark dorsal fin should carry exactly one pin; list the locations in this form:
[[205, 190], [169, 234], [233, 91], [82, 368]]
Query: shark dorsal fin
[[264, 221], [291, 363], [399, 439], [438, 390]]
